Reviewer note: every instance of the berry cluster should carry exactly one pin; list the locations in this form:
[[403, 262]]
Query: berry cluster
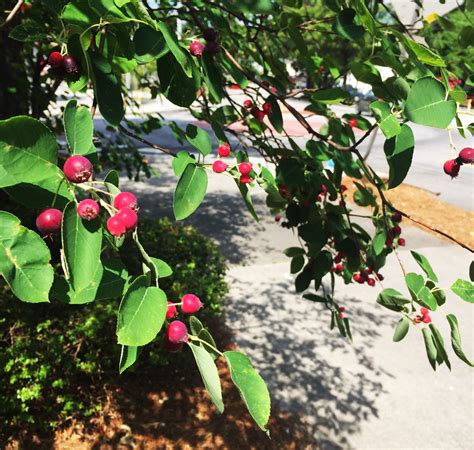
[[244, 168], [212, 47], [256, 112], [176, 332], [452, 166], [424, 317], [65, 65]]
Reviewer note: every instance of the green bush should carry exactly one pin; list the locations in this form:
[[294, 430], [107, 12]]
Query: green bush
[[49, 352]]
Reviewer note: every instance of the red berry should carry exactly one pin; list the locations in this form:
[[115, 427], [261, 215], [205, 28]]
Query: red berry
[[70, 65], [209, 34], [339, 268], [245, 168], [191, 304], [219, 166], [426, 319], [396, 230], [371, 282], [266, 83], [277, 218], [424, 311], [466, 155], [283, 190], [124, 200], [55, 60], [341, 315], [49, 221], [401, 242], [223, 150], [212, 47], [418, 319], [258, 113], [78, 169], [353, 123], [171, 311], [396, 217], [274, 90], [115, 226], [388, 242], [248, 104], [451, 168], [176, 332], [88, 209], [129, 218], [357, 278], [196, 48], [343, 188], [342, 308], [245, 179], [267, 108]]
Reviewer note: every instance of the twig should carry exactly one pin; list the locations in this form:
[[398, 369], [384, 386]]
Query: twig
[[10, 16], [146, 142]]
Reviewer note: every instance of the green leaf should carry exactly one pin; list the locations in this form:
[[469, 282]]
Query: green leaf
[[251, 386], [176, 86], [28, 154], [190, 191], [76, 48], [234, 72], [426, 104], [82, 246], [209, 374], [107, 90], [442, 356], [276, 119], [207, 338], [293, 251], [378, 242], [212, 77], [107, 10], [330, 95], [399, 153], [178, 52], [392, 299], [456, 339], [419, 51], [430, 347], [401, 329], [365, 15], [196, 325], [24, 260], [199, 139], [387, 122], [149, 45], [346, 27], [80, 14], [141, 314], [181, 161], [162, 268], [28, 31], [245, 192], [419, 292], [128, 357], [464, 289], [78, 127], [297, 263], [425, 265]]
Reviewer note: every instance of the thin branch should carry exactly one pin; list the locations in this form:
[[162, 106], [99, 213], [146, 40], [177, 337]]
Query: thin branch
[[10, 16], [146, 142]]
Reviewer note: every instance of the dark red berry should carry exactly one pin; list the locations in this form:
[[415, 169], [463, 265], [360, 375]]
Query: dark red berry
[[78, 169], [176, 332], [245, 168], [88, 209], [223, 150], [49, 221], [129, 218], [55, 60], [277, 218], [115, 226], [379, 276], [209, 34], [196, 48], [342, 308], [172, 347], [212, 48], [124, 200], [396, 230], [396, 217], [70, 65], [191, 304], [257, 113], [171, 311], [248, 104], [219, 166], [466, 155], [267, 108], [451, 168], [266, 83], [401, 242]]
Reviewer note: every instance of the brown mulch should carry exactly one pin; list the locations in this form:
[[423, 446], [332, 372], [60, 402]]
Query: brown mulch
[[169, 408], [424, 206]]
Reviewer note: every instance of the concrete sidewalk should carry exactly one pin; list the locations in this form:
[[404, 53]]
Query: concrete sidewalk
[[374, 394]]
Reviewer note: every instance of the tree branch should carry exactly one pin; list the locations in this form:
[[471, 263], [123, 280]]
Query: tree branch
[[146, 142]]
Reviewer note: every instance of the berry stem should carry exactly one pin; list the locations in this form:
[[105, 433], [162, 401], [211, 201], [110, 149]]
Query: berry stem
[[195, 338], [146, 258]]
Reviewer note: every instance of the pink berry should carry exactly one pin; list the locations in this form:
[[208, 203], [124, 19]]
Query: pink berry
[[466, 155], [451, 168], [49, 221], [245, 168], [55, 60], [196, 48], [402, 242], [248, 103], [219, 166], [341, 315], [171, 311], [223, 150], [353, 123], [245, 179], [124, 200], [191, 304], [115, 226], [209, 34], [426, 319], [267, 108], [129, 218], [176, 332], [424, 311], [77, 169], [88, 209], [371, 282]]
